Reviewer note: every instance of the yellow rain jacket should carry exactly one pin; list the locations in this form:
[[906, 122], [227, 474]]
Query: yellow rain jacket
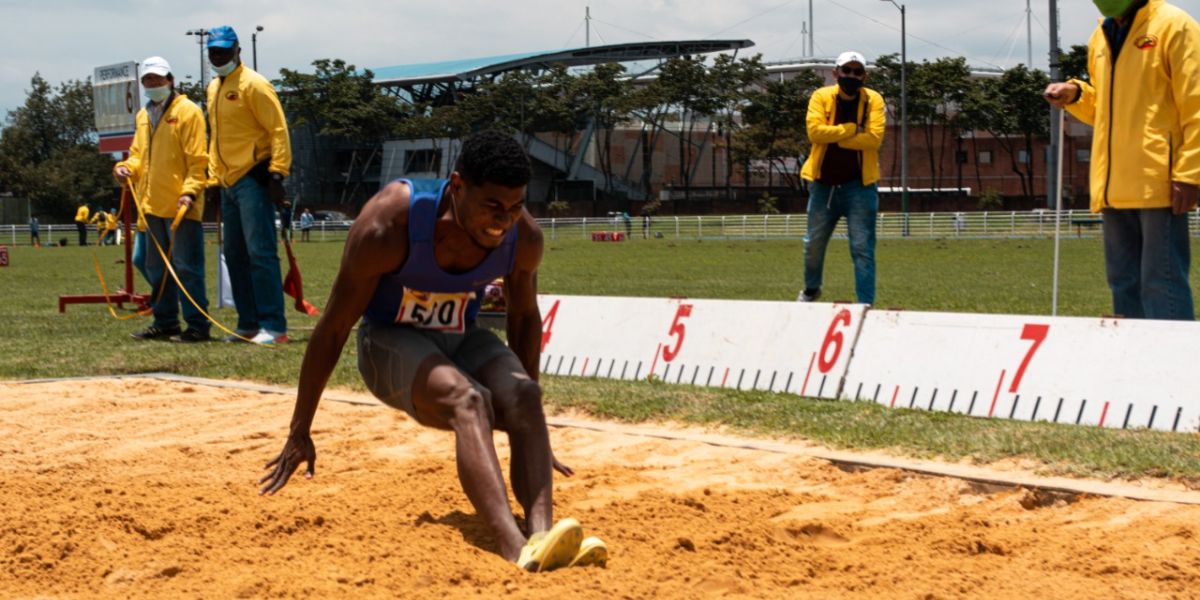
[[1145, 110], [822, 109], [247, 127], [170, 161], [81, 215]]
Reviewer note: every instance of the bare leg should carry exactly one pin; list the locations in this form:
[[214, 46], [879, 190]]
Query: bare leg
[[445, 398], [517, 400]]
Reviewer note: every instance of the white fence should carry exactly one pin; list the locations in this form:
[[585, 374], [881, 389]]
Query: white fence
[[1009, 224], [967, 225]]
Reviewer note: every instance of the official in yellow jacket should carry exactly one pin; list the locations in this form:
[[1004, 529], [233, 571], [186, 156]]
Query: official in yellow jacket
[[249, 157], [1143, 102], [166, 167], [81, 222], [845, 127]]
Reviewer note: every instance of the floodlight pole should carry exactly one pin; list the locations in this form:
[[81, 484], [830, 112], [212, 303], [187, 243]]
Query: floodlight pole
[[587, 27], [903, 114], [200, 35], [254, 46]]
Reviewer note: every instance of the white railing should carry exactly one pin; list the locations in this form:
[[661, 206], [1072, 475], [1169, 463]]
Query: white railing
[[967, 225], [18, 235]]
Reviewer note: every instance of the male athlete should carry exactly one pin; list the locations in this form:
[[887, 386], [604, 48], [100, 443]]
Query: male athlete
[[413, 268]]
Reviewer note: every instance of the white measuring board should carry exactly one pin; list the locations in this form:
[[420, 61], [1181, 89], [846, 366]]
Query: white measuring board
[[1108, 372], [777, 346]]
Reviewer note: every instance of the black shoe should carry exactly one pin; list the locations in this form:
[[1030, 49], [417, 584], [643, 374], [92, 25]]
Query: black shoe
[[155, 333], [809, 295], [191, 336]]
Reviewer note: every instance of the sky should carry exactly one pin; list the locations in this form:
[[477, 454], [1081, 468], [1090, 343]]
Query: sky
[[67, 39]]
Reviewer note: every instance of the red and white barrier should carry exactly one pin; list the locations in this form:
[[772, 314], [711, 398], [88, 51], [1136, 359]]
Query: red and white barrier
[[1107, 372], [777, 346]]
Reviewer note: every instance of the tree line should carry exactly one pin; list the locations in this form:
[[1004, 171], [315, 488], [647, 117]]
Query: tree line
[[48, 146]]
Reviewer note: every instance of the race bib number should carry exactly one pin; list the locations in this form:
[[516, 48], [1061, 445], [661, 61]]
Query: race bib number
[[434, 311]]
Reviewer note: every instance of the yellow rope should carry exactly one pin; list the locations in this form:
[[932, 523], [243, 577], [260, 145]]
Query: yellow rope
[[175, 276]]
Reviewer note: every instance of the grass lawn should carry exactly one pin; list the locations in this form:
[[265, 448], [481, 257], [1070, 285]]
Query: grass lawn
[[996, 276]]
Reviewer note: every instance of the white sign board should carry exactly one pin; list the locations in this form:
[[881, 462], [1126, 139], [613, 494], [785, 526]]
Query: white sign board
[[776, 346], [116, 96], [1107, 372]]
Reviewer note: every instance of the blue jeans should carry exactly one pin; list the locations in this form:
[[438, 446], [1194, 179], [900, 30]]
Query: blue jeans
[[252, 256], [139, 253], [1147, 254], [860, 205], [187, 258]]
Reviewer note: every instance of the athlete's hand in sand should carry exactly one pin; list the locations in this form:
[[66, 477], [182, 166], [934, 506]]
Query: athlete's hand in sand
[[561, 468], [298, 449]]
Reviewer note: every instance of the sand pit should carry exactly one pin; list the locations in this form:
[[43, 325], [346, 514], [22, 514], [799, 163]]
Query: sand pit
[[145, 488]]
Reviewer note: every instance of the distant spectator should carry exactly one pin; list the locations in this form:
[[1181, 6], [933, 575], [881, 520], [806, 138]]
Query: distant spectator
[[628, 224], [285, 221], [81, 222], [306, 223], [35, 235]]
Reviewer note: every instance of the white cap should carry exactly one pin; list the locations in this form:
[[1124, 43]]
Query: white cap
[[156, 65], [849, 57]]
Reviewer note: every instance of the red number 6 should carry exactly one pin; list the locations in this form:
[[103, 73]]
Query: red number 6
[[834, 338]]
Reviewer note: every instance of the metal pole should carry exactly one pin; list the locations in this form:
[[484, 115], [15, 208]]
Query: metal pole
[[812, 30], [254, 45], [1057, 219], [587, 27], [904, 117], [1056, 123], [1028, 36]]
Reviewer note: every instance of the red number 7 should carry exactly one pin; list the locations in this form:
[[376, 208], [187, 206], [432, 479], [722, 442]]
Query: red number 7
[[1036, 334]]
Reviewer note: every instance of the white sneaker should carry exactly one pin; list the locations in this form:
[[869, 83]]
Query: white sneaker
[[267, 338], [806, 297]]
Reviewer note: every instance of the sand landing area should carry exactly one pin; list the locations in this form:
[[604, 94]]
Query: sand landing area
[[145, 488]]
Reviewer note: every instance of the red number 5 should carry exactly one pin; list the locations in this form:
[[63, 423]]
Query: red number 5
[[834, 338], [677, 328]]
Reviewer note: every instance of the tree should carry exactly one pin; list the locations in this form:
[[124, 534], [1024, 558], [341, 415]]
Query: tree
[[734, 81], [774, 126], [606, 93], [1074, 64], [340, 102], [936, 90], [48, 150], [688, 87], [1012, 110]]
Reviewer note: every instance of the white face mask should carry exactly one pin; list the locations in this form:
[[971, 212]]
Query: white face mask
[[225, 69], [158, 94]]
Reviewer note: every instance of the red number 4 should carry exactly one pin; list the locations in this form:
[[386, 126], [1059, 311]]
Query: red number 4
[[548, 324], [677, 328]]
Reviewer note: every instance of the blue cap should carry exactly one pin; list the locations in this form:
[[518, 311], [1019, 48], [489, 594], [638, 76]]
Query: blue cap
[[222, 36]]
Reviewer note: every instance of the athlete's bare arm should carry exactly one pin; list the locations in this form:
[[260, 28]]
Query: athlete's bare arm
[[524, 325], [377, 244]]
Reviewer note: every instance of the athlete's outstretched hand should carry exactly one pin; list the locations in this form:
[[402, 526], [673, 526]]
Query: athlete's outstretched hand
[[561, 468], [298, 449]]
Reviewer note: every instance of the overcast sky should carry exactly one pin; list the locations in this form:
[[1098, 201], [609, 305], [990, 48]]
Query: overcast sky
[[67, 39]]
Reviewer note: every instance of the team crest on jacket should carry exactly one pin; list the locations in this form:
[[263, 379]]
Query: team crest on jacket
[[1146, 42], [231, 95], [172, 120]]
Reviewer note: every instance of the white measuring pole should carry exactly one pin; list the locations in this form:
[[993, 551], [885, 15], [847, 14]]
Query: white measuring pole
[[1058, 122]]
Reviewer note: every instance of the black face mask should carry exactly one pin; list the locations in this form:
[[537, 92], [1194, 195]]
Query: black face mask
[[850, 85]]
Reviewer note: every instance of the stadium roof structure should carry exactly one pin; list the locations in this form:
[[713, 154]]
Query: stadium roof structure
[[439, 81]]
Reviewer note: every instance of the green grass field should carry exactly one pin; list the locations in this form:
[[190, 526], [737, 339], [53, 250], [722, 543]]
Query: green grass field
[[994, 276]]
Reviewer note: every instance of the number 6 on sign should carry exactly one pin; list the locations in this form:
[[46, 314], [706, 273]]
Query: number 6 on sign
[[834, 338], [677, 328]]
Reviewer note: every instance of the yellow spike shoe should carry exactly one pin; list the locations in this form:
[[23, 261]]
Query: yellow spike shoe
[[549, 550], [592, 551]]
